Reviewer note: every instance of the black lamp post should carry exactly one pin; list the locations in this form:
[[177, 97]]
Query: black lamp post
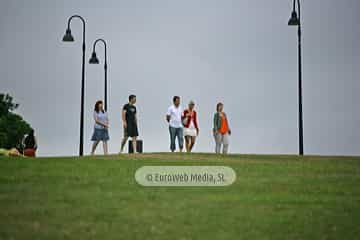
[[295, 20], [69, 38], [95, 60]]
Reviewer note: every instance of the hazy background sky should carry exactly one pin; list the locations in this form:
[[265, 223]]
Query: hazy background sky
[[240, 52]]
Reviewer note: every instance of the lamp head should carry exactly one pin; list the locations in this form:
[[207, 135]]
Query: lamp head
[[94, 59], [68, 37], [294, 20]]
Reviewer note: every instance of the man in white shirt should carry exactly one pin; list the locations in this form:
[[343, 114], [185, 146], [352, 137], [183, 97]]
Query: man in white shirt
[[174, 118]]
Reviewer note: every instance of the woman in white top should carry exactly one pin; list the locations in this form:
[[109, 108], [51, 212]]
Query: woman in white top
[[101, 127]]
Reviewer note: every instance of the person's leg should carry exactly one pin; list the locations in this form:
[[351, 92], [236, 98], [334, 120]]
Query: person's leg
[[180, 136], [123, 141], [172, 132], [187, 143], [94, 147], [134, 144], [217, 138], [192, 143], [176, 135], [105, 146], [225, 143]]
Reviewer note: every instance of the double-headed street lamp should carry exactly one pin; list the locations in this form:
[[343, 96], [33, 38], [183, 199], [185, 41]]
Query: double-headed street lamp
[[69, 38], [95, 60], [295, 20]]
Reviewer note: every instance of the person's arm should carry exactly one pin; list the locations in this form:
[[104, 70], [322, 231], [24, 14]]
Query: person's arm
[[136, 118], [227, 122], [185, 116], [99, 122], [196, 123], [123, 116], [168, 115], [186, 113], [215, 124]]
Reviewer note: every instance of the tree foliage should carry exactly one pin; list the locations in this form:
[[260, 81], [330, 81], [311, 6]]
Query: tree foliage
[[6, 104], [12, 126]]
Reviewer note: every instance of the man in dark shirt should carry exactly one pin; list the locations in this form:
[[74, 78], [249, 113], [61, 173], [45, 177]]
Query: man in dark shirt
[[130, 123]]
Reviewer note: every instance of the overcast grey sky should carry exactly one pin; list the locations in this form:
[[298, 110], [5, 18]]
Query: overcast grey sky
[[240, 52]]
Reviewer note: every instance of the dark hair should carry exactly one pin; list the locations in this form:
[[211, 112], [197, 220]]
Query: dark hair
[[31, 132], [218, 106], [131, 97], [96, 108], [176, 98]]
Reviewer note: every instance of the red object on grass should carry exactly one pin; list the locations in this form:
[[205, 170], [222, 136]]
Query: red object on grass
[[29, 152]]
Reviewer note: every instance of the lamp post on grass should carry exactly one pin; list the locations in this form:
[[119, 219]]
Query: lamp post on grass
[[295, 20], [69, 38], [95, 60]]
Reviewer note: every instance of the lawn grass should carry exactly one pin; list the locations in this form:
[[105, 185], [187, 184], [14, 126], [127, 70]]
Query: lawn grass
[[273, 197]]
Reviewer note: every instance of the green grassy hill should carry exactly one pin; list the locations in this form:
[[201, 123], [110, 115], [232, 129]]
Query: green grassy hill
[[273, 197]]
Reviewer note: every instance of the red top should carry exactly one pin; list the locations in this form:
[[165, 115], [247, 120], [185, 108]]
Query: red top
[[224, 129], [192, 117]]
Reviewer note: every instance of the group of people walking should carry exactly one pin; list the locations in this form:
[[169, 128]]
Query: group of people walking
[[183, 124]]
